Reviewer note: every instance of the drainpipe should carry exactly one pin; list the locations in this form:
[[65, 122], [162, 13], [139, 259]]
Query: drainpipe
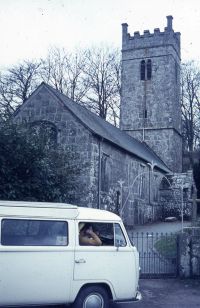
[[150, 186], [99, 176]]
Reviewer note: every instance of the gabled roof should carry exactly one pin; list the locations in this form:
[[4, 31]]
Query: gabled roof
[[107, 131]]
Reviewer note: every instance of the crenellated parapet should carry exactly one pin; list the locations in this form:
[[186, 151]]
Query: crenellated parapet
[[150, 40]]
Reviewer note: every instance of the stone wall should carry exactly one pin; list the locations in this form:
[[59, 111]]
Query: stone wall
[[128, 189], [111, 178], [176, 195], [189, 250], [71, 134]]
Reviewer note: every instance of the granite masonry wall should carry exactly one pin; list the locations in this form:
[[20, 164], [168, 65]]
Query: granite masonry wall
[[112, 179], [189, 253], [176, 195], [43, 106], [150, 108]]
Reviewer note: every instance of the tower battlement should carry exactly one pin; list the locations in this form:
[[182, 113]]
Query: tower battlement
[[148, 40]]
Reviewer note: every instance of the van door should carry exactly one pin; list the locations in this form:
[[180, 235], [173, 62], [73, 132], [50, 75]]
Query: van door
[[36, 258], [113, 262]]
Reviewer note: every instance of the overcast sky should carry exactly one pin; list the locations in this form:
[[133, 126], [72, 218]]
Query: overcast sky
[[29, 27]]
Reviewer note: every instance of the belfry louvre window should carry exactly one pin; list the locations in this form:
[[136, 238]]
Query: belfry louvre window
[[149, 69], [142, 70], [145, 70]]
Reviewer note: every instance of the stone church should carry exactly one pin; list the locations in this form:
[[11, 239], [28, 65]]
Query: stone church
[[129, 168]]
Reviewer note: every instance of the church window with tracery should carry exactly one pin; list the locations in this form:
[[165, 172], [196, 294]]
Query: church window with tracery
[[145, 69]]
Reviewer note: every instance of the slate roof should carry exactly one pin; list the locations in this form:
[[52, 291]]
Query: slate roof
[[109, 132]]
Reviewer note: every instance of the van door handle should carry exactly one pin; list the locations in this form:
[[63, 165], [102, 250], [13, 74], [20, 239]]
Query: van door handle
[[80, 261]]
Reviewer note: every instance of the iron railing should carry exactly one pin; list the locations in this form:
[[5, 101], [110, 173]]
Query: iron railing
[[158, 254]]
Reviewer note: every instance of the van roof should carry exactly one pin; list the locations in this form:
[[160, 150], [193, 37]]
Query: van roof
[[37, 204], [53, 210], [96, 214]]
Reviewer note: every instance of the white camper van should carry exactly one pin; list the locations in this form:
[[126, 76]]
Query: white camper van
[[43, 261]]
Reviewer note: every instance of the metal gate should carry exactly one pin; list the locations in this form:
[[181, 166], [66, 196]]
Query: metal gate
[[158, 254]]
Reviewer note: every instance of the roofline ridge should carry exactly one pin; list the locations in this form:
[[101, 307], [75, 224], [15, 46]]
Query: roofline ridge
[[53, 90], [102, 123], [83, 107]]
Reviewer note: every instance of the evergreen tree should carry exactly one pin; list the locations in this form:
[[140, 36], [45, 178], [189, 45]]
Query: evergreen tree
[[31, 169]]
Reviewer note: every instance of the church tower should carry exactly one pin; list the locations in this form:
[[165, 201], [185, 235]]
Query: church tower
[[150, 99]]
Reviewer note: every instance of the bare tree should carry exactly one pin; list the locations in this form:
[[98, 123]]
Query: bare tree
[[16, 84], [90, 77], [190, 106], [7, 104], [115, 106], [103, 72], [78, 83], [65, 72], [53, 69]]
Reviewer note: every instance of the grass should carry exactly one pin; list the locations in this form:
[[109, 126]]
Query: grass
[[167, 246]]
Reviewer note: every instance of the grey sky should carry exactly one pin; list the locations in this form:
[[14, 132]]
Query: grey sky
[[29, 27]]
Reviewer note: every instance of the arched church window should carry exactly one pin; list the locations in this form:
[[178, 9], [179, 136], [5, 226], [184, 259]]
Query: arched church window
[[46, 131], [149, 69], [165, 184], [142, 70]]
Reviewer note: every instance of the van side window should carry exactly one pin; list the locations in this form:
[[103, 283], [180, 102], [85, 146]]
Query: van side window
[[119, 236], [109, 234], [96, 234], [25, 232]]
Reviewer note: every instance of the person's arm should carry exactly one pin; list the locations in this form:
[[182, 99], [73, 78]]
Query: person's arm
[[93, 240]]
